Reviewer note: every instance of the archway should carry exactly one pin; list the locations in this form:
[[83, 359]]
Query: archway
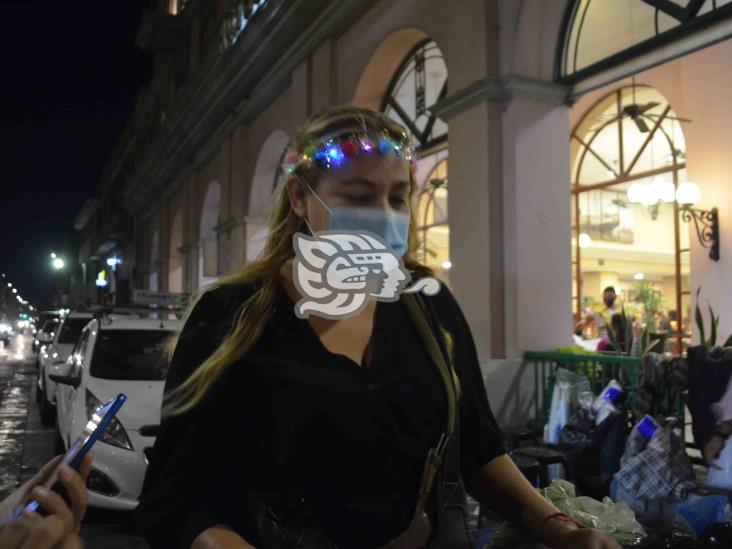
[[153, 282], [208, 255], [407, 74], [267, 174], [175, 261], [626, 223]]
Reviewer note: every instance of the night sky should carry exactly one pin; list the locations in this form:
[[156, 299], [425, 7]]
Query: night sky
[[70, 74]]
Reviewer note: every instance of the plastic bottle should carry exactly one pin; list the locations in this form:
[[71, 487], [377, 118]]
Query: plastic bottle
[[604, 405]]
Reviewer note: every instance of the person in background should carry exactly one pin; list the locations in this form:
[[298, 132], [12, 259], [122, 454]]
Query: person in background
[[58, 530], [617, 323], [601, 313], [663, 322]]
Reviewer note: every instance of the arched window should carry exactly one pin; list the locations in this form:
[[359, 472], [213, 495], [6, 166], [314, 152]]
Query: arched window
[[153, 283], [175, 261], [419, 82], [599, 34], [628, 157], [208, 258]]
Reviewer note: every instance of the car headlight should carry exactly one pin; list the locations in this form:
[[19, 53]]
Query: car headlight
[[5, 327], [114, 434]]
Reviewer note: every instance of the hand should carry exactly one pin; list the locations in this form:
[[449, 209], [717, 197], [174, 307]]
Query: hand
[[585, 538], [73, 481], [713, 448], [31, 531]]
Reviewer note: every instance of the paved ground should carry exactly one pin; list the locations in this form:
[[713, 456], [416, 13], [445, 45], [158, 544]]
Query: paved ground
[[25, 445]]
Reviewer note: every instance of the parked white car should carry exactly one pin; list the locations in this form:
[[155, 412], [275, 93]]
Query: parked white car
[[45, 334], [56, 352], [115, 354]]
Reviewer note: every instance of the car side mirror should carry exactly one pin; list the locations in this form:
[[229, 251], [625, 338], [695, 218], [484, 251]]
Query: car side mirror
[[74, 381]]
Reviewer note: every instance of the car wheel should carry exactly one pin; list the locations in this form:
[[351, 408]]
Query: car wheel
[[48, 412], [58, 442]]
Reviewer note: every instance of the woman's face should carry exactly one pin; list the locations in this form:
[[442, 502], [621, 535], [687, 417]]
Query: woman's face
[[365, 181]]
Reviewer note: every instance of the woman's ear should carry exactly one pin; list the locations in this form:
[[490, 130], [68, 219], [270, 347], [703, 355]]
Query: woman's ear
[[296, 192]]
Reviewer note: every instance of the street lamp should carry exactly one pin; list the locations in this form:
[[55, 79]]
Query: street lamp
[[58, 263]]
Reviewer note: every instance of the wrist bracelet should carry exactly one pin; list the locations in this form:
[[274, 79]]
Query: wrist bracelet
[[558, 516]]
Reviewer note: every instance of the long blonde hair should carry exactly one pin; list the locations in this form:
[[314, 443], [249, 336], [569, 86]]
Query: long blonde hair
[[283, 224]]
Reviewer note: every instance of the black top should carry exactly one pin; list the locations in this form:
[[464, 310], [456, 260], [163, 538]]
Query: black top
[[290, 414]]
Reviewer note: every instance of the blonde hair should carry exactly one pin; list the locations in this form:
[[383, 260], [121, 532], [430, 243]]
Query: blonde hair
[[283, 223]]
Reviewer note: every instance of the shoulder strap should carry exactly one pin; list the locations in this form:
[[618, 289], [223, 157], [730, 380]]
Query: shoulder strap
[[419, 312]]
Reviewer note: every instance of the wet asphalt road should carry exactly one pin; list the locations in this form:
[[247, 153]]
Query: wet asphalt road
[[25, 445]]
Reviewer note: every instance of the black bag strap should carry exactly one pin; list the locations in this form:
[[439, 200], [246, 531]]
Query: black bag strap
[[451, 470]]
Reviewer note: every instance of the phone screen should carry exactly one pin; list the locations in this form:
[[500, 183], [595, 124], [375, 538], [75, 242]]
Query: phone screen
[[92, 431]]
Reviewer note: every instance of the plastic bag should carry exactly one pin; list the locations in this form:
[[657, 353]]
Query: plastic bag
[[565, 398], [702, 512], [616, 519], [720, 473]]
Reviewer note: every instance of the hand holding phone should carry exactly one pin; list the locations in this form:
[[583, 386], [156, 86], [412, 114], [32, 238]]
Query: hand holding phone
[[50, 494]]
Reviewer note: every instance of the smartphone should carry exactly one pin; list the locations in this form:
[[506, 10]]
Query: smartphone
[[94, 429]]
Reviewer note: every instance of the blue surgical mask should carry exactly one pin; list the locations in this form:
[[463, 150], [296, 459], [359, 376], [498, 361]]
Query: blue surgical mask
[[389, 224]]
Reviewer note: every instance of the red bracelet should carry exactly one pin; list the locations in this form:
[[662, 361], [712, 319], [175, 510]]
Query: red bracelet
[[559, 516]]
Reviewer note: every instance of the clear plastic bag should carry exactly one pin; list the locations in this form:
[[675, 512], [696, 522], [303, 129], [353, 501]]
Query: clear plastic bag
[[616, 519], [565, 401]]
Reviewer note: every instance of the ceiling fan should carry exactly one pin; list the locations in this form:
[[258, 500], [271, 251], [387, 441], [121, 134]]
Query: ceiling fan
[[638, 113]]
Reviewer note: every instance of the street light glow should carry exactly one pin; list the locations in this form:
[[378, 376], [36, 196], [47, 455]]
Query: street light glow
[[53, 255], [58, 263], [15, 291]]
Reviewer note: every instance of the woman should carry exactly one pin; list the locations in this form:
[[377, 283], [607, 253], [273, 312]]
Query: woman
[[261, 403]]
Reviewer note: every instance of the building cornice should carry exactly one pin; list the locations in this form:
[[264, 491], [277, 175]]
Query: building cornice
[[499, 90]]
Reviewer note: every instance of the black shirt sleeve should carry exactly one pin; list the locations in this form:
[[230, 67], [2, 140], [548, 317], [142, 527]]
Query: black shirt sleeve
[[480, 437], [195, 477]]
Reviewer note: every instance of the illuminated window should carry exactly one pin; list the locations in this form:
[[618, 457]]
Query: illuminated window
[[419, 82]]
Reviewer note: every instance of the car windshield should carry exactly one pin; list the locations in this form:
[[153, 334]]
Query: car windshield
[[130, 355], [49, 324], [71, 330]]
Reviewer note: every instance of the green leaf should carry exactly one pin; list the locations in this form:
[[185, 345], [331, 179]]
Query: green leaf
[[628, 325], [713, 335], [699, 319], [728, 343], [650, 346]]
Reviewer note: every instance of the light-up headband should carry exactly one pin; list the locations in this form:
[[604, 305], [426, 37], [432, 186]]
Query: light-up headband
[[332, 151]]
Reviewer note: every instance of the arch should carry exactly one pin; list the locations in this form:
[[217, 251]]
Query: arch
[[596, 36], [175, 261], [627, 159], [208, 256], [404, 77], [153, 277], [383, 64], [266, 172]]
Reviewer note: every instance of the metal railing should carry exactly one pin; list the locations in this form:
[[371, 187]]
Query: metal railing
[[599, 370]]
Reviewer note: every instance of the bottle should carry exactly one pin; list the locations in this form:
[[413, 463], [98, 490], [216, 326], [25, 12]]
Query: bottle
[[604, 405]]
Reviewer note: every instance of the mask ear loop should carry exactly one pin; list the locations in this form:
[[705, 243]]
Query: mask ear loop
[[305, 219]]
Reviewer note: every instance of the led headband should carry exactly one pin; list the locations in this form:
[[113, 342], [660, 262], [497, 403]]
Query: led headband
[[332, 152]]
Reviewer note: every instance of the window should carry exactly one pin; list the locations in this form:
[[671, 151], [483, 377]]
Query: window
[[176, 7], [419, 82], [130, 355], [71, 329], [598, 34], [631, 139]]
